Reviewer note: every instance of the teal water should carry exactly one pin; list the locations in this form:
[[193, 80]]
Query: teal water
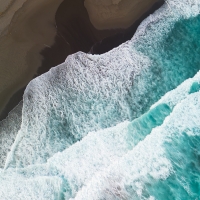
[[121, 125]]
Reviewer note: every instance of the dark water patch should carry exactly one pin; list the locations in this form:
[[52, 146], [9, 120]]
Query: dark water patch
[[111, 42], [74, 33]]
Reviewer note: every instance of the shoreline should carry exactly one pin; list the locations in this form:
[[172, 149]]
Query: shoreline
[[116, 14], [109, 43], [74, 33]]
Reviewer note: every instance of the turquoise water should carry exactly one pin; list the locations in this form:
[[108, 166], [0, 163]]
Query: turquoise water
[[121, 125]]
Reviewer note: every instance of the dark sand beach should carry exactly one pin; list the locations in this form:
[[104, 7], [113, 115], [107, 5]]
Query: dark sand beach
[[112, 14], [124, 35], [24, 32], [73, 32]]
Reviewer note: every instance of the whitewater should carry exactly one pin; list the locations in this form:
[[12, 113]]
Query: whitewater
[[121, 125]]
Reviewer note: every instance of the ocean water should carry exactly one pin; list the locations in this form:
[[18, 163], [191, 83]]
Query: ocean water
[[121, 125]]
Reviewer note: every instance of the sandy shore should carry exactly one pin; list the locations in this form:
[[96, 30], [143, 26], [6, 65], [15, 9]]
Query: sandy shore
[[31, 29], [31, 45], [125, 35], [5, 5], [112, 14], [8, 9]]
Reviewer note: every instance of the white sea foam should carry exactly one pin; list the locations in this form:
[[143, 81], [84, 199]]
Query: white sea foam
[[148, 160], [92, 92], [8, 131], [75, 119]]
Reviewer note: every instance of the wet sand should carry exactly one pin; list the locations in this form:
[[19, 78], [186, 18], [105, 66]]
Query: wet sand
[[76, 33], [125, 35], [5, 6], [31, 28], [73, 32], [8, 9], [112, 14]]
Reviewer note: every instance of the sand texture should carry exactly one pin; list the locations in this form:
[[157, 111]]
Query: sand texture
[[38, 35], [25, 30], [111, 14], [8, 8]]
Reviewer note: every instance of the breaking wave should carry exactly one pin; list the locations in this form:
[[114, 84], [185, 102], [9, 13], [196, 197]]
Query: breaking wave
[[121, 125]]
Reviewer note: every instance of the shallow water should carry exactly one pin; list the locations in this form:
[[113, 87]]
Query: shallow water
[[36, 42], [121, 125]]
